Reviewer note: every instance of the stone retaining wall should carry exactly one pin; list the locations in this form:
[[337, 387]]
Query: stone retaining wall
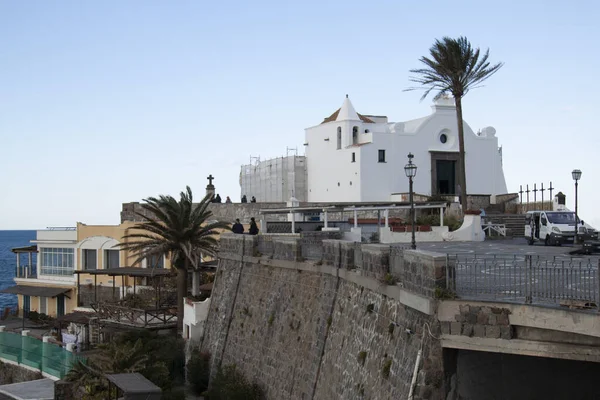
[[325, 328]]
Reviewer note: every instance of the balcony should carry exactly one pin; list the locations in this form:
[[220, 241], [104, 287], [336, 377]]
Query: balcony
[[25, 272]]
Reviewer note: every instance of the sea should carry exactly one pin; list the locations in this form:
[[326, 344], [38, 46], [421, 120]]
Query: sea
[[8, 262]]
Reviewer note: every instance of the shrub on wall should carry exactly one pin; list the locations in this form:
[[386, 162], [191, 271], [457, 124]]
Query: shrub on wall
[[230, 384], [198, 371]]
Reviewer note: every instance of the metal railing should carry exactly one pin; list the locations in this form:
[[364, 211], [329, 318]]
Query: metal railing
[[26, 272], [46, 357], [135, 316], [529, 279]]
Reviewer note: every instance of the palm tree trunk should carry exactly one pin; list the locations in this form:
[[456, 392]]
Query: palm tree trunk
[[181, 293], [462, 170]]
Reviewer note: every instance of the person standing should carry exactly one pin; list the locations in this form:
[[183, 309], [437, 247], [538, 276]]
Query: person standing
[[253, 227], [228, 200], [237, 227]]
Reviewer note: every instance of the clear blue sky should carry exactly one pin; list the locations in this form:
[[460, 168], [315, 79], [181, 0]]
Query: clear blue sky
[[108, 102]]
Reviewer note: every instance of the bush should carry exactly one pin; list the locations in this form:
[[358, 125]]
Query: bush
[[164, 351], [452, 223], [230, 384], [198, 371], [175, 394]]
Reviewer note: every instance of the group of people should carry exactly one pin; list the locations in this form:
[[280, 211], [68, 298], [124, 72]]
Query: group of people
[[217, 199], [239, 228], [245, 199]]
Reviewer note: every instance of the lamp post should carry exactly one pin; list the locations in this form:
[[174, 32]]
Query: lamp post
[[410, 170], [576, 177]]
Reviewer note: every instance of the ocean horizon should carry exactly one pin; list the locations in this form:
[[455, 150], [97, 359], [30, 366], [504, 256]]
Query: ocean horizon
[[10, 239]]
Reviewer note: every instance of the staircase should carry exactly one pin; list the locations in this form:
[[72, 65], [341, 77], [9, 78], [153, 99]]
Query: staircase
[[514, 223]]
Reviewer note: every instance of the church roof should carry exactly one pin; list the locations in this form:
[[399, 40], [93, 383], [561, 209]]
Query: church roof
[[347, 113], [334, 117]]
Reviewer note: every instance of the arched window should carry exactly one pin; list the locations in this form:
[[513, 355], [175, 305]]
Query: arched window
[[355, 135], [339, 138]]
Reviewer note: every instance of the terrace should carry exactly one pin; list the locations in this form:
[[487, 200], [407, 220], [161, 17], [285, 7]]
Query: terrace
[[132, 304]]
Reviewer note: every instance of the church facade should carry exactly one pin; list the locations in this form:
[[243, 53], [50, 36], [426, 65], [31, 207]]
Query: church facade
[[360, 158]]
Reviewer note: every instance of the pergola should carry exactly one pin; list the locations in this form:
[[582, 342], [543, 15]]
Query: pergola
[[112, 313], [341, 208]]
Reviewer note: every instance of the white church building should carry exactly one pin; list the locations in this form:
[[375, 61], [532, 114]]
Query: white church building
[[361, 158], [351, 157]]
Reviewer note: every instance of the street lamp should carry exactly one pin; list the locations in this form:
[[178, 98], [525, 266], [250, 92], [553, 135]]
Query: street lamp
[[410, 170], [576, 176]]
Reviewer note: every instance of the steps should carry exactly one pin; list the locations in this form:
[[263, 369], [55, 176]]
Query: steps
[[514, 223]]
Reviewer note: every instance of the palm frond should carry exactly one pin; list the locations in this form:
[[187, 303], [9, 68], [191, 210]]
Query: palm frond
[[453, 67]]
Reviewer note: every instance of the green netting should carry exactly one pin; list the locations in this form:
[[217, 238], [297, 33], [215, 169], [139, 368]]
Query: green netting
[[47, 357]]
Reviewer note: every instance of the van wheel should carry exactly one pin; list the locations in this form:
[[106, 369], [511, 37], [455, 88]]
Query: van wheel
[[547, 240]]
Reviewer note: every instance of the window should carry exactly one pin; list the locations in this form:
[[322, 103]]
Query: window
[[381, 155], [339, 138], [56, 261], [111, 259], [43, 305], [443, 138], [355, 135], [89, 259], [26, 305], [155, 262], [353, 157]]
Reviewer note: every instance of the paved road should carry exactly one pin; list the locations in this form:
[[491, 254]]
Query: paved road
[[506, 247]]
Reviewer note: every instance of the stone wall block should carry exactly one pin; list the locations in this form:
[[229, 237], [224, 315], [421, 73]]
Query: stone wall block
[[492, 331], [467, 330], [250, 244], [331, 249], [502, 319], [506, 332], [455, 328], [479, 331], [288, 249], [482, 318]]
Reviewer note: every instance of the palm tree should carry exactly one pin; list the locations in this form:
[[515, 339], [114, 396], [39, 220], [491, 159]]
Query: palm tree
[[454, 67], [178, 229]]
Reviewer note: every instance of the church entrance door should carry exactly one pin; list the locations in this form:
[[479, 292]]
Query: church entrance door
[[446, 176], [444, 172]]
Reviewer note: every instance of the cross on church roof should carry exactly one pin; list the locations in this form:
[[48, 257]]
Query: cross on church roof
[[210, 179]]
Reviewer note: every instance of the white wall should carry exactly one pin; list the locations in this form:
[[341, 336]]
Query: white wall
[[326, 165], [56, 235], [435, 235], [194, 317]]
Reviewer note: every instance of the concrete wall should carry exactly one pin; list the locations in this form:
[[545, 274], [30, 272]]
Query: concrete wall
[[321, 329]]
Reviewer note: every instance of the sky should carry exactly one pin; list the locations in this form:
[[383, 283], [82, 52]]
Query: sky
[[108, 102]]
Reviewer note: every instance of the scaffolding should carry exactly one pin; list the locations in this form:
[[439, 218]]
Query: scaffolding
[[275, 180]]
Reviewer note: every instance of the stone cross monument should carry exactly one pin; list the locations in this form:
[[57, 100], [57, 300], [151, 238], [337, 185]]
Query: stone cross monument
[[210, 188]]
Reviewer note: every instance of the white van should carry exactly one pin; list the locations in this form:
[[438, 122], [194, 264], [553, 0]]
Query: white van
[[551, 227]]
